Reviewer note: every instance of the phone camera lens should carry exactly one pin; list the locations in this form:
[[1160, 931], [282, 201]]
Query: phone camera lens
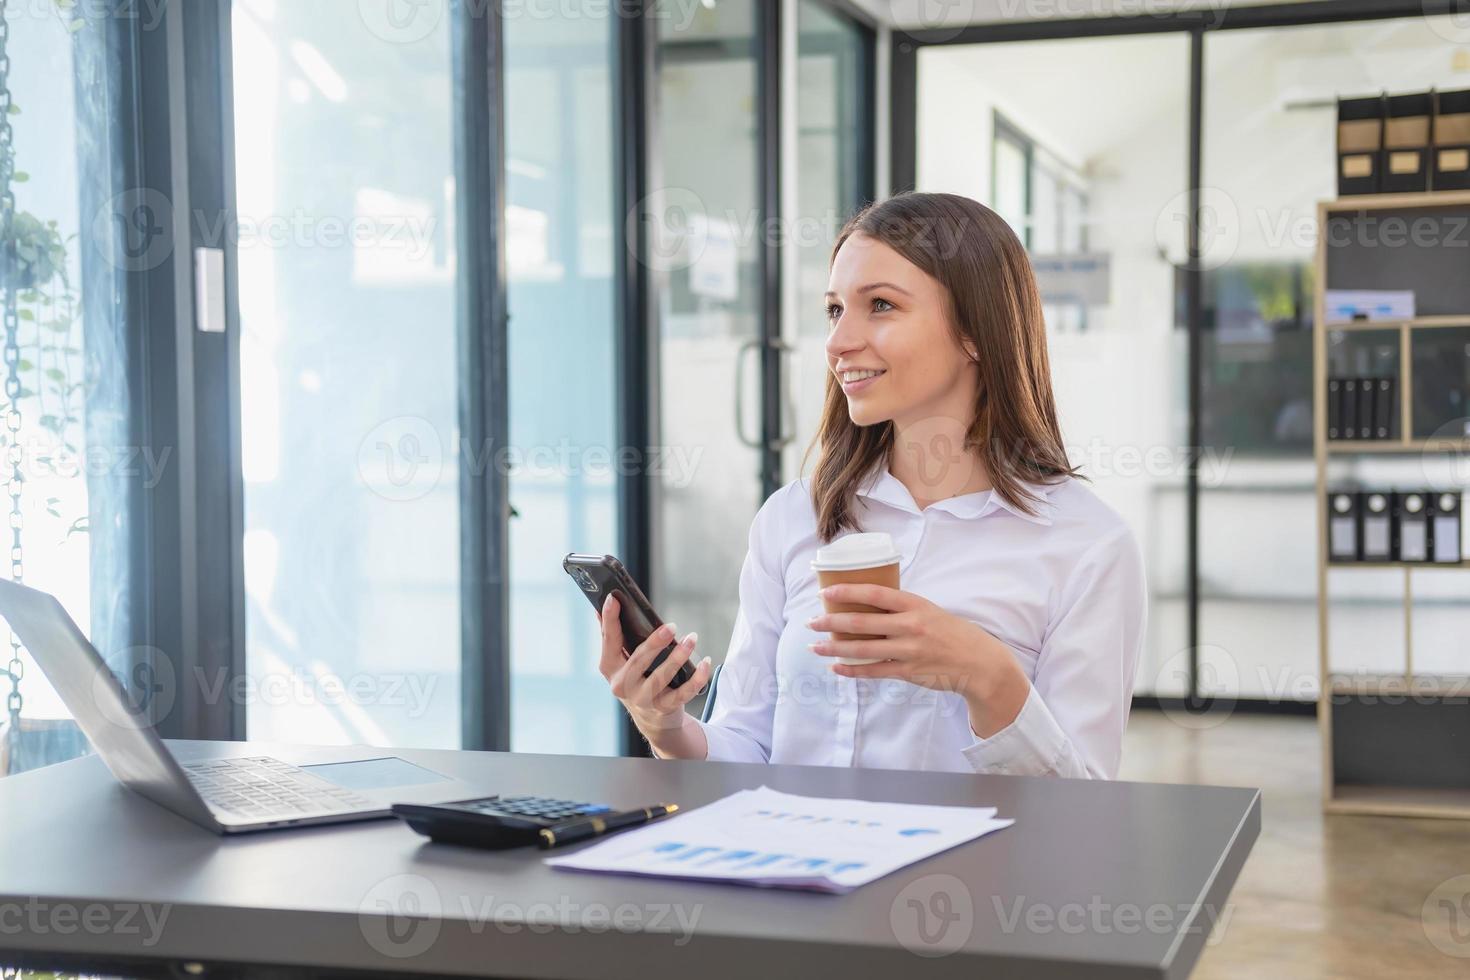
[[586, 581]]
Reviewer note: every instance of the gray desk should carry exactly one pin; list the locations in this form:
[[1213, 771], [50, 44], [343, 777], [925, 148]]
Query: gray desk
[[1095, 880]]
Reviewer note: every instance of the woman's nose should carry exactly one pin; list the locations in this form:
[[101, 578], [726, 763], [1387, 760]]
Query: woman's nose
[[844, 337]]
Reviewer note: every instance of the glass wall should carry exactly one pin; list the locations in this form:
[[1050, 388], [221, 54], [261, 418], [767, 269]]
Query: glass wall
[[348, 408], [561, 242], [705, 270], [833, 179], [1269, 158], [1093, 177], [66, 465]]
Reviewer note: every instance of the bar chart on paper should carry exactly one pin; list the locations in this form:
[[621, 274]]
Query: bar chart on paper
[[767, 838]]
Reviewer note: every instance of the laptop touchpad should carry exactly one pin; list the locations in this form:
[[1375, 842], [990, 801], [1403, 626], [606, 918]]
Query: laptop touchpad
[[376, 773]]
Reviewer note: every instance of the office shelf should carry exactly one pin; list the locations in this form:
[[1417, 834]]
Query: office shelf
[[1396, 202], [1417, 323], [1398, 564], [1391, 742], [1399, 801], [1390, 685], [1368, 446]]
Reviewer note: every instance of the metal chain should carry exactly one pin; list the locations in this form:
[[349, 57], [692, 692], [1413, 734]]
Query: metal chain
[[15, 669]]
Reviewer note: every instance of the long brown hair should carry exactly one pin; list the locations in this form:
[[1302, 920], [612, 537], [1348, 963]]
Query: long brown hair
[[994, 308]]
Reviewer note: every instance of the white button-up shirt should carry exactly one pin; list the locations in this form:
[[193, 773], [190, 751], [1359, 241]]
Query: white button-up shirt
[[1063, 589]]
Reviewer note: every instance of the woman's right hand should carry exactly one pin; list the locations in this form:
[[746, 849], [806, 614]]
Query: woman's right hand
[[655, 708]]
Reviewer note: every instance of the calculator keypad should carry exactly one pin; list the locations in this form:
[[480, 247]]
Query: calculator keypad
[[535, 808]]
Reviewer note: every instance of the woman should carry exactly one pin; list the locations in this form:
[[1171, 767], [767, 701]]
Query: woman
[[1011, 646]]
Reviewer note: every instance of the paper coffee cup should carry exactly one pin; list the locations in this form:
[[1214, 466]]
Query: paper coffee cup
[[868, 558]]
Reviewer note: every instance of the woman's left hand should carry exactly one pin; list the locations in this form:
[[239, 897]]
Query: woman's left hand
[[925, 645]]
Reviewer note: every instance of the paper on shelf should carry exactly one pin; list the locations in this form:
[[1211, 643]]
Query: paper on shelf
[[773, 839]]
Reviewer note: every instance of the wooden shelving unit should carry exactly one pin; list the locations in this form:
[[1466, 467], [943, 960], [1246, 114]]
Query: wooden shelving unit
[[1357, 711]]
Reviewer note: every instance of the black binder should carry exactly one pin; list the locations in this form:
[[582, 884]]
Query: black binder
[[1334, 408], [1377, 526], [1342, 526], [1444, 537], [1411, 518], [1383, 409], [1406, 143], [1350, 408], [1451, 153], [1367, 389], [1359, 145]]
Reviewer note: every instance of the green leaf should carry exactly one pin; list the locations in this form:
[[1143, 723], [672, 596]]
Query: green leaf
[[27, 315], [76, 25], [20, 176], [24, 364], [14, 109]]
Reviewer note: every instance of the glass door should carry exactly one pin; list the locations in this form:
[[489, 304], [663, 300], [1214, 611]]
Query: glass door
[[348, 414], [706, 255]]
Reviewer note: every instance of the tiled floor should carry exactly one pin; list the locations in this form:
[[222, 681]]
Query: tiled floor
[[1320, 897]]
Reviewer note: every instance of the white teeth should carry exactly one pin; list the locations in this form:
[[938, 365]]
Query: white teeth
[[850, 376]]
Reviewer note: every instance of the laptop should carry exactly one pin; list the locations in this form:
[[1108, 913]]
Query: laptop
[[226, 795]]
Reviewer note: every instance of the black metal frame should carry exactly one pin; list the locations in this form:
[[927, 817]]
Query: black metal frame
[[188, 591], [483, 375], [636, 327], [903, 55]]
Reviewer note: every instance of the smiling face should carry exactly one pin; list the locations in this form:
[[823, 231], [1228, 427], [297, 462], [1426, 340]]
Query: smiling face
[[890, 342]]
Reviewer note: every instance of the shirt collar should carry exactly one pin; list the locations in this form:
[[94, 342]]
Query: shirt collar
[[884, 487]]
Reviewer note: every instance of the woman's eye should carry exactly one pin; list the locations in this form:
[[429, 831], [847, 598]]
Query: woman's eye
[[881, 305], [833, 311]]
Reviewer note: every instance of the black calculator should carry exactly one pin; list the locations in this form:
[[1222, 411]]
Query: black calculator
[[494, 821]]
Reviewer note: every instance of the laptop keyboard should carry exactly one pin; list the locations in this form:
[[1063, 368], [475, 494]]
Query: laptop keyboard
[[268, 789]]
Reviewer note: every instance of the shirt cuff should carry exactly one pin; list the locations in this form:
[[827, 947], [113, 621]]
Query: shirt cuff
[[1031, 745], [729, 745]]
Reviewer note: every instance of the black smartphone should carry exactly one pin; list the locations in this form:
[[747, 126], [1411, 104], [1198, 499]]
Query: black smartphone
[[599, 575]]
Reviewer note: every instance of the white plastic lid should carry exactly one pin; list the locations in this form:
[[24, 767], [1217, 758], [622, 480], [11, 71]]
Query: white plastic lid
[[869, 549]]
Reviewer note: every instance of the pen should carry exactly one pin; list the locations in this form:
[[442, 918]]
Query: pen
[[588, 827]]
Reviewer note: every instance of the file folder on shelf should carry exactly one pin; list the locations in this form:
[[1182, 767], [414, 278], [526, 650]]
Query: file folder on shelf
[[1412, 520], [1451, 153], [1406, 143], [1359, 145], [1377, 525], [1342, 527], [1444, 542]]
